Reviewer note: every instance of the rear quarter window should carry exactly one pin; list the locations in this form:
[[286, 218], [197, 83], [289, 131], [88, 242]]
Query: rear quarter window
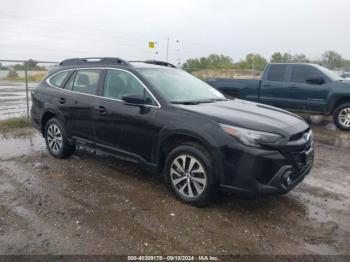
[[58, 79], [277, 73]]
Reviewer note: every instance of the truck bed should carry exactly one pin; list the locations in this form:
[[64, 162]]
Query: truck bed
[[247, 89]]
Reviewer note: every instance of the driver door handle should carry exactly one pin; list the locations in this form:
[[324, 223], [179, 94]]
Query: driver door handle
[[62, 100], [101, 109]]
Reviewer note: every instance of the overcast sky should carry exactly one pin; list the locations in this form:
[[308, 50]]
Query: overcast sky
[[54, 30]]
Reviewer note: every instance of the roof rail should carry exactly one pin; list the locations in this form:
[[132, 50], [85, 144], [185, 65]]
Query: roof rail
[[82, 61], [157, 62]]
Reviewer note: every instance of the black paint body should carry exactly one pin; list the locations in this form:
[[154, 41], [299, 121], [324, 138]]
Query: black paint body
[[142, 133]]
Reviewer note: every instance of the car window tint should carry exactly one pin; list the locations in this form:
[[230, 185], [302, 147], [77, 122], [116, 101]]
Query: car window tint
[[302, 72], [277, 72], [86, 81], [119, 83], [58, 79]]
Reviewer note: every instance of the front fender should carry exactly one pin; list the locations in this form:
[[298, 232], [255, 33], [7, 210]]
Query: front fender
[[195, 134]]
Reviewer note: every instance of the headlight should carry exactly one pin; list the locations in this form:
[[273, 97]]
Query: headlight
[[250, 137]]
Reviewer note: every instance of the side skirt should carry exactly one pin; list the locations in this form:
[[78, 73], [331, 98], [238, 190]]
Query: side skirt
[[117, 153]]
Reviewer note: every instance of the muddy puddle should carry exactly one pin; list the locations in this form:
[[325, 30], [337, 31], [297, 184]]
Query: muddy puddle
[[20, 142], [326, 132]]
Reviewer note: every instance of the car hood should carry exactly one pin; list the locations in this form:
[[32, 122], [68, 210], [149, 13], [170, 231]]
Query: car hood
[[250, 115]]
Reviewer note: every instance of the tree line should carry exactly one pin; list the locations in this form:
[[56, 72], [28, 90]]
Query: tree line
[[329, 59], [32, 65]]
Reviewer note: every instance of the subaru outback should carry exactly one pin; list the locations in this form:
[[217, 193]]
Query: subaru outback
[[174, 124]]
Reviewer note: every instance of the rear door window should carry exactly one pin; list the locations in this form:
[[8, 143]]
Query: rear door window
[[277, 73], [85, 81]]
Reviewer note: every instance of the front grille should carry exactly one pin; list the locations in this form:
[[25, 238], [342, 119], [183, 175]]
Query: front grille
[[300, 154]]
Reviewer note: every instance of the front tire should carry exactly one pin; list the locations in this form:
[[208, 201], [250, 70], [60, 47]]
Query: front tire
[[341, 116], [189, 172], [56, 139]]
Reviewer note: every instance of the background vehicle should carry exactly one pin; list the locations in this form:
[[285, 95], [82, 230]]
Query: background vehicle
[[346, 75], [299, 87], [173, 123]]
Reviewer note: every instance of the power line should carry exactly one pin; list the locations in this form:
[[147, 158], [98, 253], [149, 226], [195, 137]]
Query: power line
[[98, 29]]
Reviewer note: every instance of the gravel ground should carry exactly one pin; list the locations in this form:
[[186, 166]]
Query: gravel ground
[[94, 204]]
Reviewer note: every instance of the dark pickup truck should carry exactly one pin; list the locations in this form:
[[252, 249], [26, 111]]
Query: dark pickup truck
[[297, 87]]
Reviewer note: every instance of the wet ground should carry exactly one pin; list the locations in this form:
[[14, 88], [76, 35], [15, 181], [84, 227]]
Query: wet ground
[[95, 204]]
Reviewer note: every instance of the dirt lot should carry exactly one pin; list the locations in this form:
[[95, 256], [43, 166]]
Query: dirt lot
[[95, 204]]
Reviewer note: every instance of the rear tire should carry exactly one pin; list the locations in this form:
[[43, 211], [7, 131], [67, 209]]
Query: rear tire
[[189, 173], [56, 139], [341, 116]]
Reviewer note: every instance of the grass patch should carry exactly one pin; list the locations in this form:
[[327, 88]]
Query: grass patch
[[17, 122]]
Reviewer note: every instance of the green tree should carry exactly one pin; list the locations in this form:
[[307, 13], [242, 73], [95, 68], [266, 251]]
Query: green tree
[[31, 64], [18, 67], [3, 67], [256, 60], [12, 74], [299, 58], [276, 57], [333, 60], [286, 58], [213, 61]]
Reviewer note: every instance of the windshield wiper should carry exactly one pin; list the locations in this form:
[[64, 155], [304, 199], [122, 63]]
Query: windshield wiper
[[219, 99], [196, 102], [185, 102]]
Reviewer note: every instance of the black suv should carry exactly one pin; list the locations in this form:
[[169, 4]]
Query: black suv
[[175, 124]]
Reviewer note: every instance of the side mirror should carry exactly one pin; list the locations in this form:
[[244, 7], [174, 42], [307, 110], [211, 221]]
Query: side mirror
[[133, 99], [315, 80]]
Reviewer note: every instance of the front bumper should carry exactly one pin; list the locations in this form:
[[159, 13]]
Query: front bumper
[[257, 171]]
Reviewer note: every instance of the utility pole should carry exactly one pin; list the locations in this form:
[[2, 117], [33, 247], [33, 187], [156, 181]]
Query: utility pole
[[27, 88], [178, 55], [167, 49], [253, 65]]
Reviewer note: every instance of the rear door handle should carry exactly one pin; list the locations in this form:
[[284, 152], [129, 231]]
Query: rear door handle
[[266, 85], [101, 109], [293, 86], [62, 100]]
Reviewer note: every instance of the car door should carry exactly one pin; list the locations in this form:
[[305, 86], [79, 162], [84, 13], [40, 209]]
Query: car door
[[60, 100], [273, 89], [307, 95], [128, 129], [82, 88]]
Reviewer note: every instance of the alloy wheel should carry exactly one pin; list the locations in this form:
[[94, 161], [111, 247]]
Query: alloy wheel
[[188, 176], [344, 117], [54, 138]]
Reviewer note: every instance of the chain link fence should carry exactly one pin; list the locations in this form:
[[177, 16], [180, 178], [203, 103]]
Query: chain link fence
[[224, 73], [17, 79]]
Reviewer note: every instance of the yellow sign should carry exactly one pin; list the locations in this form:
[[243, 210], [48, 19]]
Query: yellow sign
[[151, 44]]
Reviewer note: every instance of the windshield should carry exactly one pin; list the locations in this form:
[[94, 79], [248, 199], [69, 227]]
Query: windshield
[[331, 74], [178, 86]]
